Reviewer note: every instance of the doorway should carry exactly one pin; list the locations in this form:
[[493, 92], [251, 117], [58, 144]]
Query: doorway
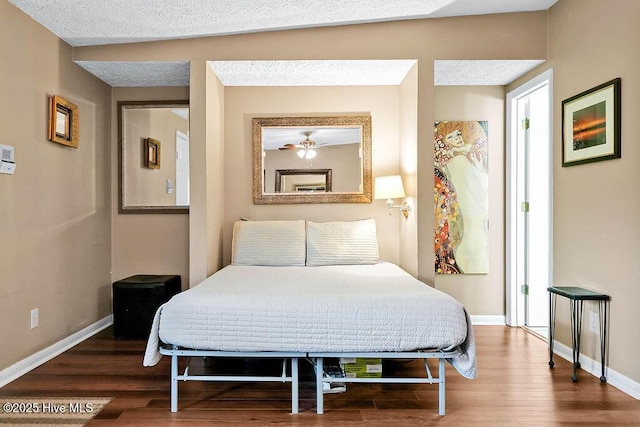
[[182, 169], [529, 204]]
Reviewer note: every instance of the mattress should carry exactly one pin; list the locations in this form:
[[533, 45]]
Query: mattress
[[337, 308]]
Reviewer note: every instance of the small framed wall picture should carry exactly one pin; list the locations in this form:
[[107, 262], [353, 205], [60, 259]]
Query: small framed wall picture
[[152, 153], [63, 122], [591, 125]]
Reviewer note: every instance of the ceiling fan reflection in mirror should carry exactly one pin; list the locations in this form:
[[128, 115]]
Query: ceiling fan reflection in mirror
[[305, 148]]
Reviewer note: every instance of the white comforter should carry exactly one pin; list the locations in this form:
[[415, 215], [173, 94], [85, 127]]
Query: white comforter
[[343, 308]]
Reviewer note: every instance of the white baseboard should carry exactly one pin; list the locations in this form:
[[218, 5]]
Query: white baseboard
[[488, 320], [20, 368], [616, 379]]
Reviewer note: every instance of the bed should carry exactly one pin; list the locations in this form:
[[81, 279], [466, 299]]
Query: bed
[[300, 290]]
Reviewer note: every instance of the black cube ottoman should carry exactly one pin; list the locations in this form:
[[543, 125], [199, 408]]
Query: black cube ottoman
[[136, 300]]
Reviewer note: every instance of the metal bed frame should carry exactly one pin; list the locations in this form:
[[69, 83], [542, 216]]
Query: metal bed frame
[[317, 359], [430, 379], [175, 352]]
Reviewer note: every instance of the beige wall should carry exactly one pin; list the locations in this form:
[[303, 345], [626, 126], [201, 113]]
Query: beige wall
[[146, 243], [408, 137], [596, 208], [242, 104], [482, 294], [207, 170], [54, 212]]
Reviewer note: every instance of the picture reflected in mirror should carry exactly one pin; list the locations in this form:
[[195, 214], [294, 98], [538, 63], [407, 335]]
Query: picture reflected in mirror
[[303, 180]]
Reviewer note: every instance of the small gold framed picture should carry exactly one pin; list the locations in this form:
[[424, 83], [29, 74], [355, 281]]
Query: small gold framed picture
[[63, 122], [152, 153]]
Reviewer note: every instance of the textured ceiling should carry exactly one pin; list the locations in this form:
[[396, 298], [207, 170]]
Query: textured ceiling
[[139, 74], [99, 22], [96, 22], [311, 73], [477, 73]]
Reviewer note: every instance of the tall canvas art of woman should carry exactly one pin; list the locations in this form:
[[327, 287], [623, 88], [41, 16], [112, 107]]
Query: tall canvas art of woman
[[461, 183]]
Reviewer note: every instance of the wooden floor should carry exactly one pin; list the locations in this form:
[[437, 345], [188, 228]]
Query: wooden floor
[[515, 387]]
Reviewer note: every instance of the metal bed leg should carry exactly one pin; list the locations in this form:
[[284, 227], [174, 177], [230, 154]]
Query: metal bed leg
[[319, 391], [441, 387], [174, 383], [294, 385]]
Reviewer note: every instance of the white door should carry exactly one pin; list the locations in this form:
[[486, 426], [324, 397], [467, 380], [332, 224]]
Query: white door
[[182, 169], [529, 194]]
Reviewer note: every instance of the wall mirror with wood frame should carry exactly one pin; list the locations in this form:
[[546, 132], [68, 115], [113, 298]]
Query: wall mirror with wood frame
[[147, 185], [335, 153]]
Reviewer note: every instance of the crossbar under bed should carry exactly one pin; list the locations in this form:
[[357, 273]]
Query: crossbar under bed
[[175, 352], [442, 356]]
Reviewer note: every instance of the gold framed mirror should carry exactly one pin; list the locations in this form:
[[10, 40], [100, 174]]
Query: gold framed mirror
[[341, 144], [148, 131]]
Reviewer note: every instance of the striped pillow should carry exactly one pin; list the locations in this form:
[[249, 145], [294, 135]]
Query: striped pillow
[[271, 243], [342, 242]]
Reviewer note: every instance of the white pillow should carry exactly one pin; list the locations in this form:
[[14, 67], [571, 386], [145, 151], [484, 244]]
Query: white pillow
[[272, 243], [342, 242]]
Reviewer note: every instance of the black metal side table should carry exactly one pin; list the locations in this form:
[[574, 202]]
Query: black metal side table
[[577, 296]]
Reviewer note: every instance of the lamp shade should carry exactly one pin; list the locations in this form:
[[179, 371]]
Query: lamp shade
[[389, 187]]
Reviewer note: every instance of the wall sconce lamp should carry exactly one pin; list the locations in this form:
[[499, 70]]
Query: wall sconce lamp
[[390, 187]]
